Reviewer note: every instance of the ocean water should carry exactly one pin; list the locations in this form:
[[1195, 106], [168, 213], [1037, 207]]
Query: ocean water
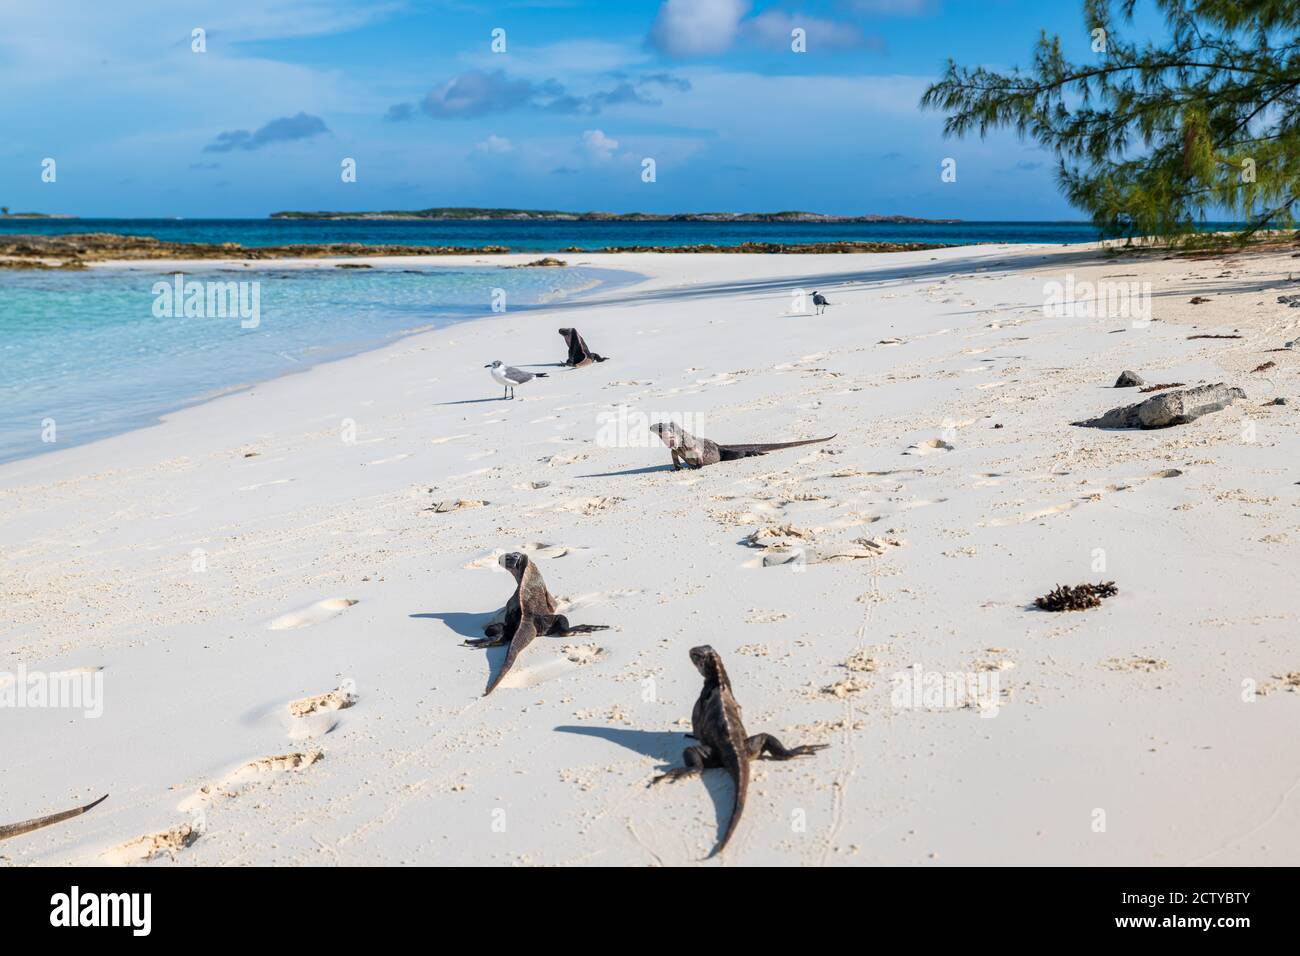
[[86, 350], [553, 236]]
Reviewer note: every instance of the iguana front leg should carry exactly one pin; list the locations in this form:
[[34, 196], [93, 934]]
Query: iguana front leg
[[696, 759], [494, 636], [676, 458]]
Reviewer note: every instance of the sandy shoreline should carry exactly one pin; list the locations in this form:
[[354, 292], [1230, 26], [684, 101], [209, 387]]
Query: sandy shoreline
[[1131, 714]]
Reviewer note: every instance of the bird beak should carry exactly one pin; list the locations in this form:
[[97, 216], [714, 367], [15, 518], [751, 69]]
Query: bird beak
[[487, 366]]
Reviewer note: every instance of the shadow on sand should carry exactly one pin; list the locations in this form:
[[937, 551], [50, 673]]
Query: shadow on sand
[[631, 471], [666, 747]]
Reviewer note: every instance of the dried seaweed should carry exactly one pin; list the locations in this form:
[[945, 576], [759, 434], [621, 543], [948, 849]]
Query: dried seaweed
[[1158, 388], [1265, 367], [1078, 598], [1214, 336]]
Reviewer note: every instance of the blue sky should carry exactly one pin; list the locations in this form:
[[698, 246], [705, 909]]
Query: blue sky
[[141, 125]]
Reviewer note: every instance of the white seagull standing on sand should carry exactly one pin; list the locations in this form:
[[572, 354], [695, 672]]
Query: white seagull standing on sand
[[509, 376], [820, 302]]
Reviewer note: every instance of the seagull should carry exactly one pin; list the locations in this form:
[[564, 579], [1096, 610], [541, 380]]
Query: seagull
[[509, 376], [820, 301]]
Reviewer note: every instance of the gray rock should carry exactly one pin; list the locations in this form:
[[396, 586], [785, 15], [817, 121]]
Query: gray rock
[[1177, 407], [1129, 380], [1289, 300]]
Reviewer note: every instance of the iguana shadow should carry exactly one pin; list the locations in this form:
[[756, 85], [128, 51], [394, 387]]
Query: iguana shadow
[[469, 625], [631, 471], [666, 746], [461, 622]]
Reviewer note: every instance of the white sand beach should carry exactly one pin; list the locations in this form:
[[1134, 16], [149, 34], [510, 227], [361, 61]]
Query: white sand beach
[[303, 537]]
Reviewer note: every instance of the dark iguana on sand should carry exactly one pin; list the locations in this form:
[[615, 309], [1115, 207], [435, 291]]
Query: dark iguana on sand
[[529, 612], [8, 831], [698, 452], [579, 355], [716, 725]]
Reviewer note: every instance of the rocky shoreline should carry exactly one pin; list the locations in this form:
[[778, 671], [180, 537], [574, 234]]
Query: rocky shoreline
[[778, 248], [470, 214], [76, 251]]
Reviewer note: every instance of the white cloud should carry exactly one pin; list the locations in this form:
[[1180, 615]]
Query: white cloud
[[599, 147], [902, 8], [494, 144], [573, 59], [694, 27], [773, 27]]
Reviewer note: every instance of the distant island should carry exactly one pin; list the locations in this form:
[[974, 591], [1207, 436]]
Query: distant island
[[463, 213], [6, 214]]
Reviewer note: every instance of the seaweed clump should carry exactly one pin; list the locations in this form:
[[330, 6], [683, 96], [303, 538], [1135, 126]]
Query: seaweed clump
[[1077, 598]]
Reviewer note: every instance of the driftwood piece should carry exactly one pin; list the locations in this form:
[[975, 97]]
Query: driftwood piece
[[1170, 408]]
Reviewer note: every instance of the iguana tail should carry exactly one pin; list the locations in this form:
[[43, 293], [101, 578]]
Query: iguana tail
[[516, 648], [738, 767], [731, 452], [27, 826]]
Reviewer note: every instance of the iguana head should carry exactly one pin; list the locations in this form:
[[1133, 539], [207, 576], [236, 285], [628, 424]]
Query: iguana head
[[670, 433], [709, 664], [514, 562]]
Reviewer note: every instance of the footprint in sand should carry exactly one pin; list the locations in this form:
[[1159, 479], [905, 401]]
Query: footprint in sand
[[556, 460], [311, 614], [564, 605], [153, 845], [573, 657], [918, 503], [1030, 516], [1090, 496], [931, 446], [586, 506], [315, 716], [235, 782], [266, 484], [534, 549]]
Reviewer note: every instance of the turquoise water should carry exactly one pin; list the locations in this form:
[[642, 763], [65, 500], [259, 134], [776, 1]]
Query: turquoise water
[[555, 236], [87, 350]]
